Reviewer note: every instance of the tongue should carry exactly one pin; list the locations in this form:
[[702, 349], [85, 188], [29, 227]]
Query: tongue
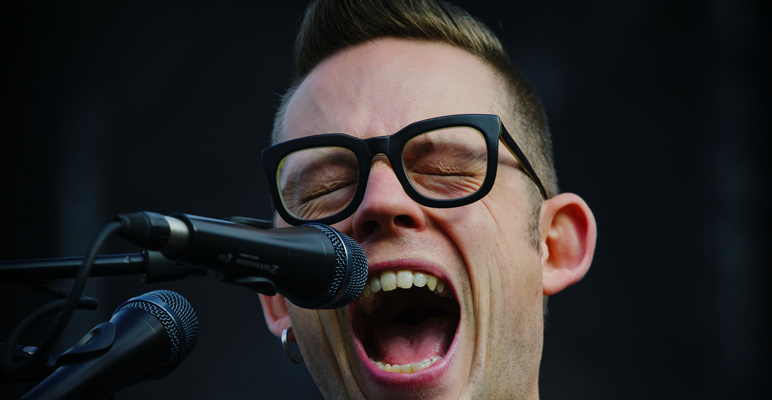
[[405, 344]]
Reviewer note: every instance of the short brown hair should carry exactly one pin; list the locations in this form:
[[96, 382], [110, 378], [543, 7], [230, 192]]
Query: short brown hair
[[330, 26]]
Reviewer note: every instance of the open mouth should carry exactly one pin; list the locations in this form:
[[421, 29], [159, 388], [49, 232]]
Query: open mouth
[[405, 320]]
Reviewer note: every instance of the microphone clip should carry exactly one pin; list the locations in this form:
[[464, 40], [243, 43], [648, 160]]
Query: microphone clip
[[258, 284], [95, 343]]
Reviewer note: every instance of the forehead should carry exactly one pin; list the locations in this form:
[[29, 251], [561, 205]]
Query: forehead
[[379, 87]]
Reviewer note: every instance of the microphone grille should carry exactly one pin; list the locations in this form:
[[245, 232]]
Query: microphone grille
[[350, 270], [175, 314], [184, 311], [358, 272]]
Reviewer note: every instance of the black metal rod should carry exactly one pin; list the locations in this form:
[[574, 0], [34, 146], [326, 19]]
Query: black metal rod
[[67, 267]]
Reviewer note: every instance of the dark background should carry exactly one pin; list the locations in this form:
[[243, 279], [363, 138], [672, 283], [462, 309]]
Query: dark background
[[656, 112]]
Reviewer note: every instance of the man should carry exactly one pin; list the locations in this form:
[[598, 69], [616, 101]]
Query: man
[[459, 214]]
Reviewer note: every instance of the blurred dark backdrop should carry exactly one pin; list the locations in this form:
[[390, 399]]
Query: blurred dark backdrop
[[656, 111]]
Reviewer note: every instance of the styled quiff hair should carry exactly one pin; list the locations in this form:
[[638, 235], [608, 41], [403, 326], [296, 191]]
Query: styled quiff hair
[[330, 26]]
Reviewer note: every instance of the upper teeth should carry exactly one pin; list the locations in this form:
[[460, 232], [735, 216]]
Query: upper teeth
[[390, 280]]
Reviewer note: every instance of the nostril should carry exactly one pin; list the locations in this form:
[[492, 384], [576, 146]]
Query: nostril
[[369, 227], [401, 221], [404, 221]]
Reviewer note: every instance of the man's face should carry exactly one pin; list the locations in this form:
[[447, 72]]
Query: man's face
[[487, 324]]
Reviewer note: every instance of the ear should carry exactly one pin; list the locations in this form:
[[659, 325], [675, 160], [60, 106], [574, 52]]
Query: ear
[[568, 236], [276, 314]]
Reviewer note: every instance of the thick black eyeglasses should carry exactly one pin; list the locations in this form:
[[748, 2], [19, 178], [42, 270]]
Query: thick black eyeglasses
[[441, 162]]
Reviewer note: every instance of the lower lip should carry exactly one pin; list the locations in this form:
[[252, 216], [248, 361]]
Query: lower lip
[[425, 378]]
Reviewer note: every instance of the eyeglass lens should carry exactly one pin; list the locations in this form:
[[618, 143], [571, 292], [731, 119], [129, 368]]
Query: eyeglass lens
[[448, 163]]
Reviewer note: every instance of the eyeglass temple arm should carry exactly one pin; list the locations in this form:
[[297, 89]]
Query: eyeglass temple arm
[[513, 148]]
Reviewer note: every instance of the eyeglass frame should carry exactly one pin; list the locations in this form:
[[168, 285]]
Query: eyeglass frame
[[392, 146]]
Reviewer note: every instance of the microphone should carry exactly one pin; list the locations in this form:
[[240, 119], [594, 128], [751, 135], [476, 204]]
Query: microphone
[[313, 266], [146, 338]]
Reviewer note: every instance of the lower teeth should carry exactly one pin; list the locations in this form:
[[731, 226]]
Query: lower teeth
[[407, 368]]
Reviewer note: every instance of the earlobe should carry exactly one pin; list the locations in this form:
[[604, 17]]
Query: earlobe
[[276, 315], [568, 234]]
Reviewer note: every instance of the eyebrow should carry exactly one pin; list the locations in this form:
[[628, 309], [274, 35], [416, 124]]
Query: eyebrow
[[469, 151]]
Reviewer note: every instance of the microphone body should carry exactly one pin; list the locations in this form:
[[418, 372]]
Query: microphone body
[[313, 266], [147, 337]]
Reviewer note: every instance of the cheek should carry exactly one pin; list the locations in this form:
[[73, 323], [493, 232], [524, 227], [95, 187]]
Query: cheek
[[493, 231], [517, 261], [321, 344], [278, 222], [492, 236], [305, 325]]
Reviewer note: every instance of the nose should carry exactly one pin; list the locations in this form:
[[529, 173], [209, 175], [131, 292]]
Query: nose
[[385, 209]]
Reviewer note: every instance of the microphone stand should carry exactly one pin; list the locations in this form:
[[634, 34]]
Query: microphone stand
[[30, 363], [152, 266]]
